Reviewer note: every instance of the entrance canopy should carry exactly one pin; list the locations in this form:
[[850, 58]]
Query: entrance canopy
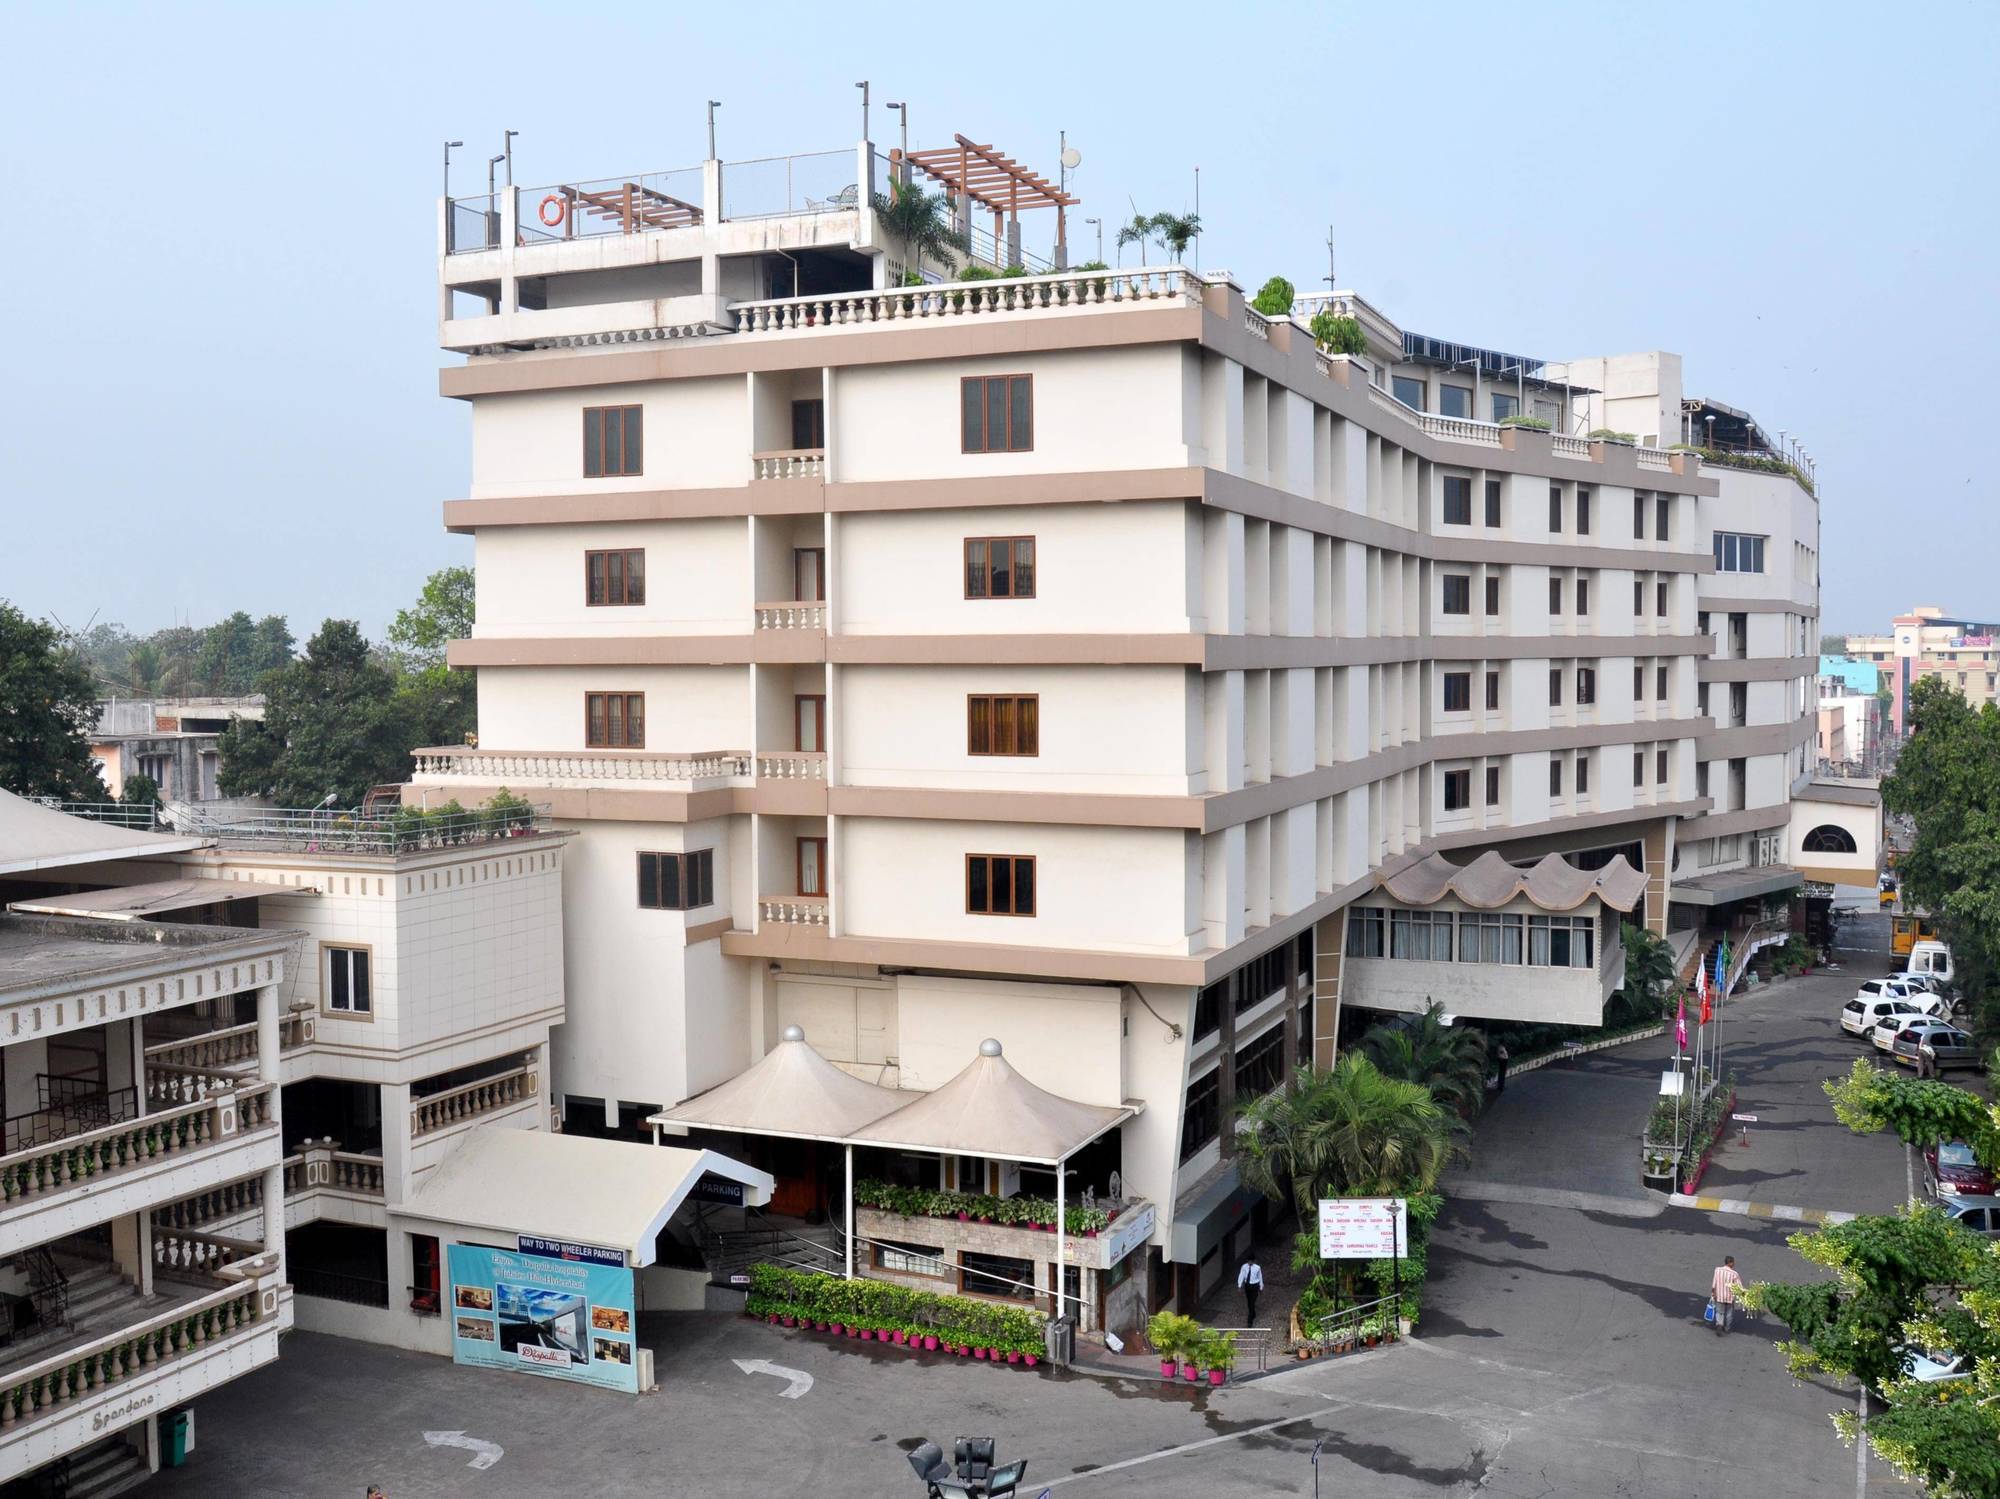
[[792, 1091], [138, 902], [1490, 882], [572, 1188]]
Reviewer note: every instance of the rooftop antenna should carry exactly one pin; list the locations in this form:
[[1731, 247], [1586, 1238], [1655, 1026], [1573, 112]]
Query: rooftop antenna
[[509, 146], [713, 106], [863, 86], [448, 147], [1197, 216], [1331, 283]]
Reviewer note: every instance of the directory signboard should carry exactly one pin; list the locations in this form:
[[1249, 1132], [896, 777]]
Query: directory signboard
[[1363, 1228], [568, 1318]]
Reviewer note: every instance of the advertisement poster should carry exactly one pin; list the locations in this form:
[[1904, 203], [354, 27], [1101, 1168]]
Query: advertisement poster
[[1363, 1228], [566, 1318]]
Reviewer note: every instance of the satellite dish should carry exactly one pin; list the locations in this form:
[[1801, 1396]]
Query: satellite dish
[[1071, 158]]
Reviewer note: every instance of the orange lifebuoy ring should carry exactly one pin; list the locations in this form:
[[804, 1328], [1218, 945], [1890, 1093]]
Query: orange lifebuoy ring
[[561, 208]]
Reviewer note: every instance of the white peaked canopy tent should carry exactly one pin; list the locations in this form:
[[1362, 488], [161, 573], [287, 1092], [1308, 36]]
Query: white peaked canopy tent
[[988, 1109]]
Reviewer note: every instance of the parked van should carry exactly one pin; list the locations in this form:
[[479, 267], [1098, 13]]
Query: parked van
[[1933, 958]]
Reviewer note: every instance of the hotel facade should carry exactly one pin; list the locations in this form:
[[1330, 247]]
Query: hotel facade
[[1074, 660]]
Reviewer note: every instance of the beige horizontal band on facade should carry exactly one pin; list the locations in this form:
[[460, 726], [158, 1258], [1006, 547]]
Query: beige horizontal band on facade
[[1728, 824], [1709, 605], [1755, 668], [1756, 739]]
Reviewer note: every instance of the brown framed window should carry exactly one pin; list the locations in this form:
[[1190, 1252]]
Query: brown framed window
[[1586, 684], [809, 424], [614, 720], [677, 882], [347, 983], [809, 575], [1009, 725], [613, 441], [812, 866], [614, 578], [1000, 884], [999, 567], [809, 723], [996, 413]]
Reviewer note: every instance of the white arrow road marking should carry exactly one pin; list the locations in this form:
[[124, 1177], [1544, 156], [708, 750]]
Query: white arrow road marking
[[485, 1454], [800, 1381]]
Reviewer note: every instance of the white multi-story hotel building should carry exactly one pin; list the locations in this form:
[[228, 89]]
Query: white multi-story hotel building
[[1064, 660]]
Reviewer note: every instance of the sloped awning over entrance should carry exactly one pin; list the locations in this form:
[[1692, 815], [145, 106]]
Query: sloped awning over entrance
[[139, 902], [990, 1110], [33, 836], [792, 1092], [1489, 882]]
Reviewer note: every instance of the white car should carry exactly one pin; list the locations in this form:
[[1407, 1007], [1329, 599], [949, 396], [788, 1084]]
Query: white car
[[1897, 986], [1858, 1017], [1891, 1026], [1933, 1364]]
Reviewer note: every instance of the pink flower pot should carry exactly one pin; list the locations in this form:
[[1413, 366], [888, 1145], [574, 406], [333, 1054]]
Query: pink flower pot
[[867, 1335], [1217, 1376], [985, 1217], [1090, 1233], [896, 1337], [789, 1321], [1013, 1357], [979, 1353], [930, 1343], [962, 1349], [965, 1217], [1191, 1374], [838, 1329], [1031, 1359], [854, 1332], [1167, 1367], [771, 1317]]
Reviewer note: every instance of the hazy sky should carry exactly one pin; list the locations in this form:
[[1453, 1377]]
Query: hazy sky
[[219, 377]]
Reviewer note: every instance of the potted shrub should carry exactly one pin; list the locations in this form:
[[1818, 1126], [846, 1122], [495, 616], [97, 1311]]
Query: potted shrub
[[1168, 1333], [930, 1342], [1221, 1357]]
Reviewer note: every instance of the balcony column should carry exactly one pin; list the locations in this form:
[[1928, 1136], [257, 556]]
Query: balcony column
[[269, 1054], [396, 1146]]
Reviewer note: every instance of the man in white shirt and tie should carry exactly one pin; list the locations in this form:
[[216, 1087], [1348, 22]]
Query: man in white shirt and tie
[[1250, 1281]]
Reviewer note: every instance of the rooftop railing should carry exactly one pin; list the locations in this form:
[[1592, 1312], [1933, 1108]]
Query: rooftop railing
[[404, 830], [775, 186], [1068, 290]]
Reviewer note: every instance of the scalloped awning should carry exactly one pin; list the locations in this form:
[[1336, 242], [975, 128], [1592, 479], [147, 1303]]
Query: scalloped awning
[[1490, 882]]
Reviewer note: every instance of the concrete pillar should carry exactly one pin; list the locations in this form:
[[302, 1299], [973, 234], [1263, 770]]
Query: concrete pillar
[[270, 1050], [396, 1147], [136, 1035], [711, 215]]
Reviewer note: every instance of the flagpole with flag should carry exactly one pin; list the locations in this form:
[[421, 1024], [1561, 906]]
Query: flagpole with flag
[[1721, 989], [1680, 1047]]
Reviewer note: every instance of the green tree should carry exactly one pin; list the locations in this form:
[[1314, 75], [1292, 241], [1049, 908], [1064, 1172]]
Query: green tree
[[226, 662], [1649, 975], [1912, 1279], [437, 699], [923, 222], [1177, 231], [1917, 1111], [1833, 645], [48, 708], [334, 723], [1450, 1060], [1345, 1132], [1142, 231], [144, 668], [1343, 335], [1274, 298]]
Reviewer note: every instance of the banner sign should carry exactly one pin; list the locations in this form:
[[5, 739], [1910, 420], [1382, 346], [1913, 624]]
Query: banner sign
[[537, 1314], [1363, 1228], [711, 1188], [557, 1249]]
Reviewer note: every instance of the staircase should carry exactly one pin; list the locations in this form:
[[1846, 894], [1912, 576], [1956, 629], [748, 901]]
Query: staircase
[[734, 1251], [109, 1468]]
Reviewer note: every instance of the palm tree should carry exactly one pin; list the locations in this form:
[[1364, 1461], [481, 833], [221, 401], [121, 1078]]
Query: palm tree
[[1143, 228], [923, 222], [1177, 231], [144, 667], [1449, 1060], [1351, 1131]]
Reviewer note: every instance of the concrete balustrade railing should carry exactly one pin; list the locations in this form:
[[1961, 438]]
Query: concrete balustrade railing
[[43, 1390], [792, 463], [791, 615], [169, 1083], [1654, 458], [581, 765], [1460, 429], [327, 1166], [296, 1028], [793, 910], [231, 1200], [487, 1096], [1570, 447], [1068, 290], [789, 765], [211, 1049], [44, 1169], [185, 1253]]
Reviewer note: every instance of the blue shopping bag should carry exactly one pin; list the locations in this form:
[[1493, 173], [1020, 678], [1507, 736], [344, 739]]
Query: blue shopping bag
[[1708, 1312]]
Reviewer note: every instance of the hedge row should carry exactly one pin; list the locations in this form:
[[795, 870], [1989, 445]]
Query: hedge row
[[879, 1306]]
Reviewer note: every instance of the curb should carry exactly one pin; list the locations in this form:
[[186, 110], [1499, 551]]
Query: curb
[[1774, 1211], [1645, 1034]]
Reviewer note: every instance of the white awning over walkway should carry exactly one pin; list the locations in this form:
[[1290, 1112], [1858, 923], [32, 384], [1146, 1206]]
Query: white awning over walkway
[[138, 902], [792, 1092], [990, 1110], [569, 1187]]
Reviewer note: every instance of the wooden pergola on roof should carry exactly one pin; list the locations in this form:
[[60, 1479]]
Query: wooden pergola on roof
[[977, 173]]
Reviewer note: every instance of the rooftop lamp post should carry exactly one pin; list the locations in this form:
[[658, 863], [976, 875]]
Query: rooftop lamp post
[[903, 156], [713, 106], [448, 146], [1099, 223]]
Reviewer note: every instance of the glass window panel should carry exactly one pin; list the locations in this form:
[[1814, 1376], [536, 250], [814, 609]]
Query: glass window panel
[[1030, 728], [593, 444], [1024, 887], [1510, 939], [1538, 940], [1021, 423], [635, 577], [634, 449], [594, 575], [996, 416], [975, 569], [670, 882], [1399, 934], [972, 420], [1559, 936], [978, 726], [1024, 568], [977, 894], [1409, 392], [1003, 726], [1455, 400], [1002, 554]]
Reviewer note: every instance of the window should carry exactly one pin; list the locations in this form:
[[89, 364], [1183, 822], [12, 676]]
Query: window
[[1660, 682], [811, 866], [809, 723], [1457, 593], [1409, 392], [348, 986], [1493, 692], [1660, 766], [1638, 683], [1457, 790], [1582, 511], [910, 1259], [1663, 509], [1492, 785], [1454, 400], [1364, 932], [677, 882], [1458, 692], [1555, 509], [999, 884], [1829, 838], [1493, 502], [1583, 595], [1555, 775], [1555, 686], [1457, 500], [809, 574], [612, 445], [1003, 725], [1201, 1114], [614, 578], [1700, 622], [1488, 937], [1701, 778], [1000, 567], [997, 1275], [1260, 1065], [1660, 598], [1586, 685], [614, 720], [1492, 595], [1555, 595], [1738, 554], [1505, 406], [1562, 941], [1208, 1009], [996, 413], [1638, 517], [1424, 935], [809, 424], [1638, 598], [1638, 767], [1583, 774]]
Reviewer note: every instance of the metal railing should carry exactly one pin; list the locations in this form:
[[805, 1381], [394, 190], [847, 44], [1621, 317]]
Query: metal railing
[[405, 830], [335, 1285], [116, 814], [1253, 1345], [774, 186], [1344, 1328], [63, 1118]]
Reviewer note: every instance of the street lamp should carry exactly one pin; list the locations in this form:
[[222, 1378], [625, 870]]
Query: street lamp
[[903, 157], [713, 106], [448, 146]]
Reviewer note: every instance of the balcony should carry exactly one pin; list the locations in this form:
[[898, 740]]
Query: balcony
[[1068, 291], [790, 463], [87, 1178], [325, 1183], [208, 1333], [795, 614], [488, 1098], [793, 910], [701, 770]]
